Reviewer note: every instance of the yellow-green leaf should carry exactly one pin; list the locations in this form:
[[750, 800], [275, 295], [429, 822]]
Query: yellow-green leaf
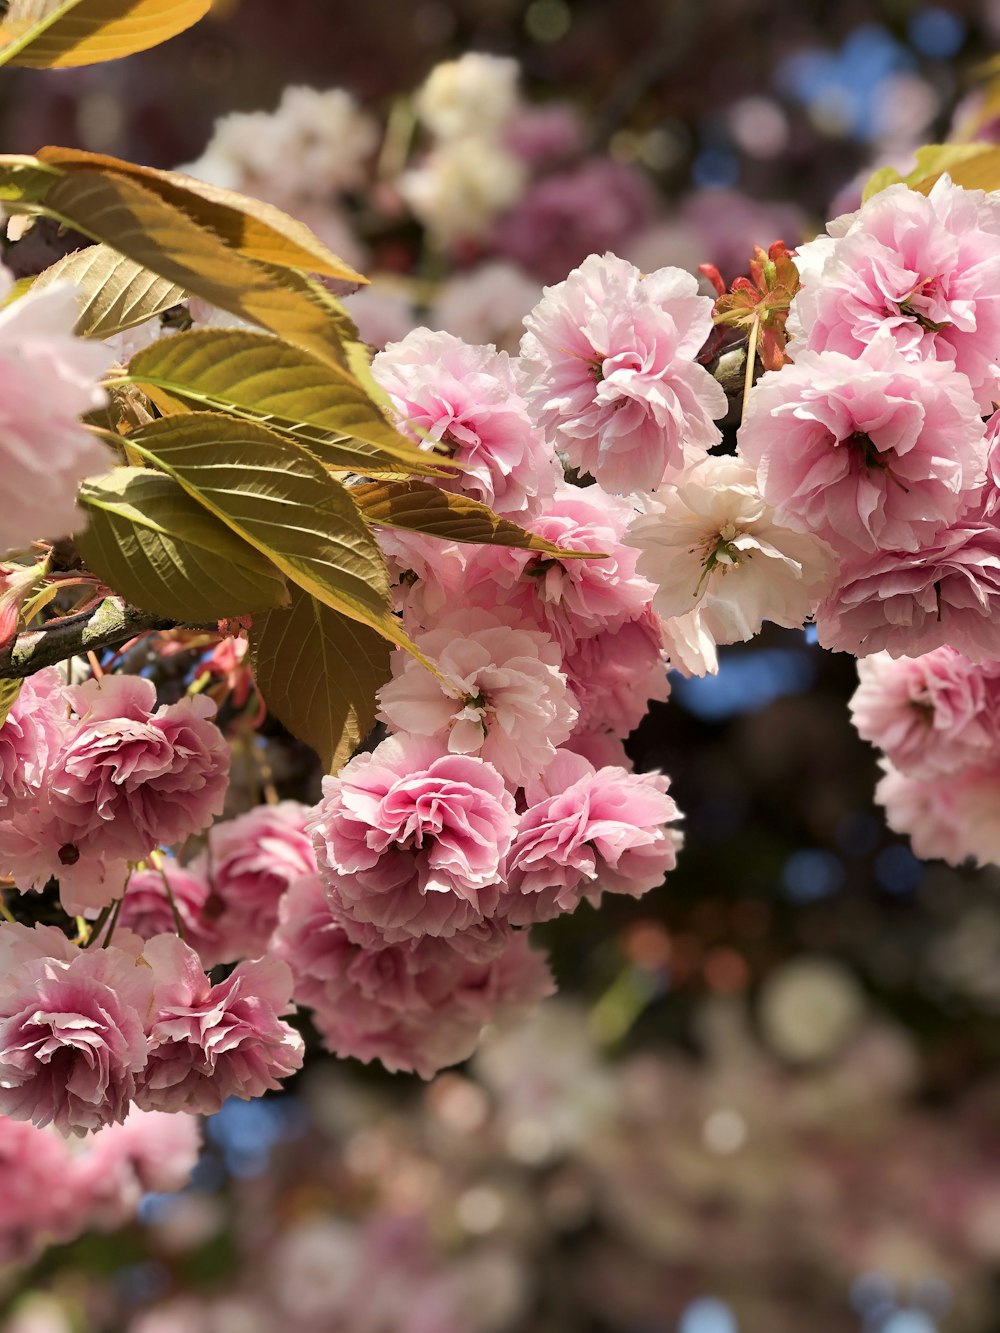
[[262, 379], [960, 160], [276, 496], [164, 552], [318, 672], [116, 293], [253, 228], [46, 34], [9, 690], [139, 224], [455, 518], [25, 180]]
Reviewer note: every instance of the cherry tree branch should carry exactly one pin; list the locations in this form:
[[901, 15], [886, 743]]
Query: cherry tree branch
[[108, 625]]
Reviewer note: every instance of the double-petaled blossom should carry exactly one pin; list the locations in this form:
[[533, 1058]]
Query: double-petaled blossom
[[922, 269], [609, 369], [585, 832], [931, 715], [413, 841], [48, 380], [871, 452], [910, 602], [952, 819], [72, 1035], [571, 599], [165, 896], [417, 1005], [35, 729], [714, 549], [502, 695], [248, 864], [209, 1042], [151, 1152], [614, 675], [127, 777], [464, 403]]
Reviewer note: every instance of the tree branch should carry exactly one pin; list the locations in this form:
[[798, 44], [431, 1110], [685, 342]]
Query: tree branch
[[107, 626]]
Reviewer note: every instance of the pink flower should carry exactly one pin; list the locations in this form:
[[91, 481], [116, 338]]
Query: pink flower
[[48, 380], [953, 820], [614, 675], [609, 370], [923, 269], [417, 1005], [413, 841], [213, 1042], [931, 715], [249, 863], [146, 908], [908, 603], [505, 699], [868, 450], [712, 545], [570, 599], [466, 400], [72, 1041], [587, 831], [35, 730], [125, 780]]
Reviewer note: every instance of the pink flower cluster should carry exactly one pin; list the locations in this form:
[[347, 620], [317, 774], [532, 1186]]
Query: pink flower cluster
[[87, 1033], [874, 439], [937, 720], [50, 1192], [96, 776]]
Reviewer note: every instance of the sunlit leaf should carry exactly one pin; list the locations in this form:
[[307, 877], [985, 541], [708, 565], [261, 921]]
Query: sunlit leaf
[[260, 378], [116, 293], [164, 552], [277, 497], [10, 689], [318, 672], [253, 228], [110, 207], [420, 507], [46, 34]]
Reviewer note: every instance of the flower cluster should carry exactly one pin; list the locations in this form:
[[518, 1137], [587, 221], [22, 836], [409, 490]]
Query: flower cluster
[[87, 1033], [937, 720]]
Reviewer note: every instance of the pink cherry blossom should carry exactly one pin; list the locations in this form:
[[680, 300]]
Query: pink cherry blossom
[[146, 908], [48, 380], [587, 831], [614, 675], [213, 1042], [72, 1042], [609, 370], [249, 862], [466, 401], [413, 841], [570, 599], [954, 820], [908, 603], [416, 1005], [505, 699], [931, 715], [125, 779], [712, 545], [34, 732], [925, 270], [870, 451]]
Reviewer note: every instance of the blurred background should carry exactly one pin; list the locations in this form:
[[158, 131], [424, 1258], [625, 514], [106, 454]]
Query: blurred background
[[767, 1098]]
